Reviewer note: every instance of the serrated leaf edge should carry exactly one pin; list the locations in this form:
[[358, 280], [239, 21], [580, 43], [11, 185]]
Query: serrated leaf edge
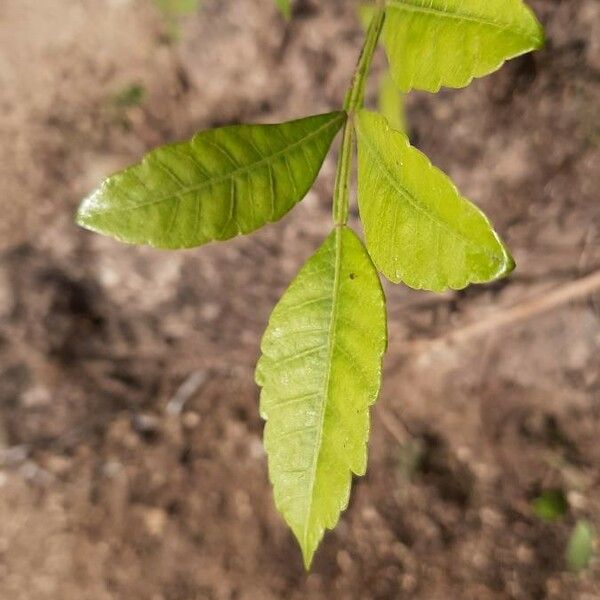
[[506, 264], [537, 43]]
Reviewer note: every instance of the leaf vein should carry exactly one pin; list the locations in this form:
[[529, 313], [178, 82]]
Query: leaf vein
[[235, 173]]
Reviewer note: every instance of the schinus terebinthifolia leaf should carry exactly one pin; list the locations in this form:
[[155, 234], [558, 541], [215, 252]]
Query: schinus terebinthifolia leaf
[[419, 230], [222, 183], [320, 371], [435, 43]]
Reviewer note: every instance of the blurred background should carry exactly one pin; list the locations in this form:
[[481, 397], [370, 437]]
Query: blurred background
[[131, 464]]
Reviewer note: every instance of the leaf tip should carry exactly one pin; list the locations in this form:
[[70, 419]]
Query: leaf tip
[[539, 34], [541, 38], [85, 211], [307, 557], [509, 263], [308, 539]]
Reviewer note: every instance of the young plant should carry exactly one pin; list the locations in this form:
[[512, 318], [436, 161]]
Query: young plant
[[322, 352]]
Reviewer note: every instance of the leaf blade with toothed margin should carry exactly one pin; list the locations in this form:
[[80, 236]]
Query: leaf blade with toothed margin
[[391, 103], [320, 371], [435, 43], [419, 229], [222, 183]]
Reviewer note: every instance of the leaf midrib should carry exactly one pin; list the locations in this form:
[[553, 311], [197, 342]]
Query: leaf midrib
[[331, 333], [459, 15], [232, 174], [416, 206]]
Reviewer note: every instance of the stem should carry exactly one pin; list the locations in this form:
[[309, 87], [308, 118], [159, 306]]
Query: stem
[[354, 100]]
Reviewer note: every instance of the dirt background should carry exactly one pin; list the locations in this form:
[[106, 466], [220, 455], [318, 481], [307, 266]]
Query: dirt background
[[131, 464]]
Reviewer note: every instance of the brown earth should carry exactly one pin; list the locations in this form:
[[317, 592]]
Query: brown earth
[[109, 491]]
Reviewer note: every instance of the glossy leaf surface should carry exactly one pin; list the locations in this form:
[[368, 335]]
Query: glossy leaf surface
[[320, 371], [435, 43], [419, 229], [222, 183]]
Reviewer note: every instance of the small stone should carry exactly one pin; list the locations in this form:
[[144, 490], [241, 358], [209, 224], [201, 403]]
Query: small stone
[[369, 514], [191, 420], [409, 582], [577, 500], [35, 397], [525, 554], [148, 426], [111, 468], [209, 312], [155, 520], [344, 561], [58, 465]]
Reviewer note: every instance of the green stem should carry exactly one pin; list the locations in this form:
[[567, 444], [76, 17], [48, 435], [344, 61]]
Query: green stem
[[354, 100]]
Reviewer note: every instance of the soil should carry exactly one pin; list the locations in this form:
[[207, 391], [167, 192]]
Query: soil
[[131, 463]]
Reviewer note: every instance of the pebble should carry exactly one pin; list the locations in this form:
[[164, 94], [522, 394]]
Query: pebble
[[155, 520], [191, 420]]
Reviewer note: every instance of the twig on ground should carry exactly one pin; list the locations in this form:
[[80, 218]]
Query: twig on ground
[[527, 309], [186, 390]]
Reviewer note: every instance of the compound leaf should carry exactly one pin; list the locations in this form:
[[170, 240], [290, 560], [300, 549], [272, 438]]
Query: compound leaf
[[320, 371], [434, 43], [418, 228], [222, 183]]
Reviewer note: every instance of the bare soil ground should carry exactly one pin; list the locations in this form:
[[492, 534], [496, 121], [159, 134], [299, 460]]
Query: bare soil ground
[[108, 492]]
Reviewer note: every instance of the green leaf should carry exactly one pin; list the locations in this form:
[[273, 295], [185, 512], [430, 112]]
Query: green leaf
[[320, 371], [366, 12], [285, 6], [550, 505], [418, 228], [434, 43], [222, 183], [391, 102], [581, 546]]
